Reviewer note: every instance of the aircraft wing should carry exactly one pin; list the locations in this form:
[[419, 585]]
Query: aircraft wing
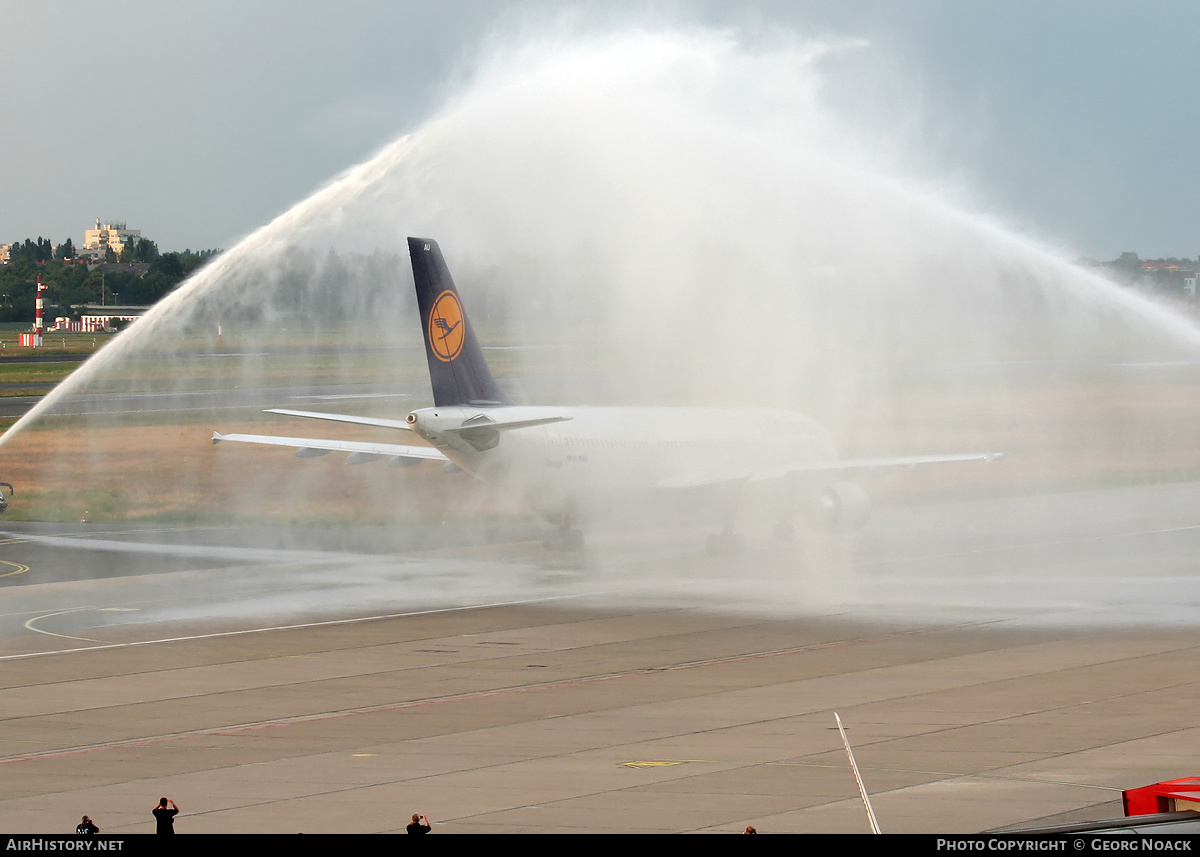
[[848, 466], [486, 423], [907, 461], [342, 418], [309, 447]]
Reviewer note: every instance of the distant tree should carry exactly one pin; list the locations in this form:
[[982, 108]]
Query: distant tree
[[127, 253], [110, 255], [145, 250], [26, 250], [169, 264], [69, 286], [1126, 268], [89, 291]]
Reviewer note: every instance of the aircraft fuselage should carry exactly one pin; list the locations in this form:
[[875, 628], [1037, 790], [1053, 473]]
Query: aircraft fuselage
[[593, 457]]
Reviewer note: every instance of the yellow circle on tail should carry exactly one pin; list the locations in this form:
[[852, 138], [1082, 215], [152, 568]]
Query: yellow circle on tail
[[446, 328]]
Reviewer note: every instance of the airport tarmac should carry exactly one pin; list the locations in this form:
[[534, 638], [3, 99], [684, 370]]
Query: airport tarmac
[[996, 663]]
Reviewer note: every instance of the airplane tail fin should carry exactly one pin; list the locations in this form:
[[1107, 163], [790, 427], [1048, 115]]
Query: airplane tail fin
[[457, 370]]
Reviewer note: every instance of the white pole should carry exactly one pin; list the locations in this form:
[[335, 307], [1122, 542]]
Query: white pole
[[862, 790]]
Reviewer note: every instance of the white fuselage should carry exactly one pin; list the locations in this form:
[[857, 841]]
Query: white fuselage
[[595, 457]]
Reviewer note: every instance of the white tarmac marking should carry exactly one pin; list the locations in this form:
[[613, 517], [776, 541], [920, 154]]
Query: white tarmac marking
[[244, 631], [1011, 548], [29, 625], [358, 396], [96, 541], [18, 538]]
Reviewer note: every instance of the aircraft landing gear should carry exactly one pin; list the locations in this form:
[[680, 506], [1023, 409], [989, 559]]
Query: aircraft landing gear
[[728, 542], [563, 537], [725, 543]]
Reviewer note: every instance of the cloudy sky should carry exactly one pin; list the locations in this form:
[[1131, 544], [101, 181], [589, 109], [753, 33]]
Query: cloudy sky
[[1075, 122]]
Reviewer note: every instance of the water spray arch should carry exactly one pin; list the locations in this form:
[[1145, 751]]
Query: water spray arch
[[670, 218]]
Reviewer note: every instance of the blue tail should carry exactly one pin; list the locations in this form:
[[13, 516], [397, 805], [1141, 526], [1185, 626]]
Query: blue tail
[[457, 370]]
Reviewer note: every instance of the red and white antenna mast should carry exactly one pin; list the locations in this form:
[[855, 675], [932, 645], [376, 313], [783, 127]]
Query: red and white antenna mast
[[39, 323]]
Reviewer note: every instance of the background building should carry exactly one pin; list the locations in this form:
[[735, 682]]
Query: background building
[[96, 242]]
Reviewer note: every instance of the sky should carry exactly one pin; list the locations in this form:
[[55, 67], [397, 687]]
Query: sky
[[1073, 122]]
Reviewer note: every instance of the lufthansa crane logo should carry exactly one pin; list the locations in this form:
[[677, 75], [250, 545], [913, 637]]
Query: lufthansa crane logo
[[446, 327]]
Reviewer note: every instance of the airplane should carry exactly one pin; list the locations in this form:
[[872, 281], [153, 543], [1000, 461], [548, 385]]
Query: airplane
[[573, 465]]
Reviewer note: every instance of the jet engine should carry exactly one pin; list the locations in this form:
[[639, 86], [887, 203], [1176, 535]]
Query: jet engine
[[841, 508]]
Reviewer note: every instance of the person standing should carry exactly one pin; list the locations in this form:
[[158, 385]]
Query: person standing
[[420, 825], [86, 827], [164, 816]]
